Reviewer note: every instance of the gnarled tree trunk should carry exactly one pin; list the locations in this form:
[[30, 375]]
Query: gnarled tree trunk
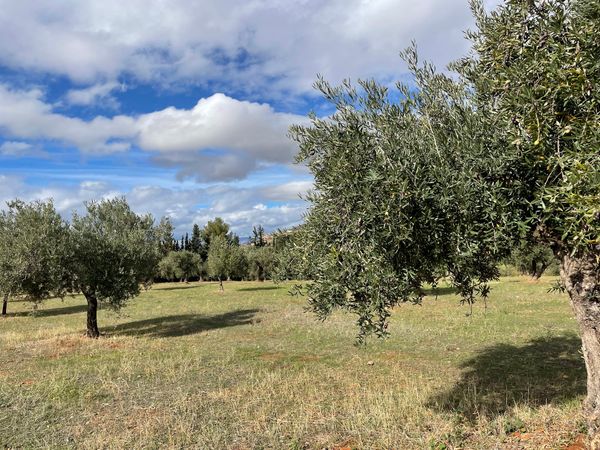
[[92, 316], [5, 304], [581, 278]]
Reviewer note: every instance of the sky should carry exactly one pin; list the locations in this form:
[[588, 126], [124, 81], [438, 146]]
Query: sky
[[183, 106]]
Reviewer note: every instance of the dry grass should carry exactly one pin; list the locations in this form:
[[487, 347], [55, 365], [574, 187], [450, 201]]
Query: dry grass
[[187, 367]]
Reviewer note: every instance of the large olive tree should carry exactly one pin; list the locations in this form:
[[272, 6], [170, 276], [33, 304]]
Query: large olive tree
[[115, 251], [462, 169]]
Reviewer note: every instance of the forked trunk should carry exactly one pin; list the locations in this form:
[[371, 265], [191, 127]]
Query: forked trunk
[[581, 278], [5, 304], [92, 316], [221, 285]]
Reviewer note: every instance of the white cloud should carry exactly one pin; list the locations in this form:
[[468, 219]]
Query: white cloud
[[19, 149], [241, 208], [220, 138], [25, 115], [98, 93], [267, 46]]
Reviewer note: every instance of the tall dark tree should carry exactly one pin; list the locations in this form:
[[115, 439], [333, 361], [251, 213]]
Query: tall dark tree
[[165, 235], [258, 236], [214, 228], [454, 175], [115, 251], [196, 241]]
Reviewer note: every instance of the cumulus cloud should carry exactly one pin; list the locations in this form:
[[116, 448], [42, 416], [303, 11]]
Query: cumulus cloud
[[25, 115], [98, 93], [220, 138], [268, 46], [242, 208]]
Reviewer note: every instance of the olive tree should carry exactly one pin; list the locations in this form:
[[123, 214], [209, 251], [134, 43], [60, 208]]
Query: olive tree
[[261, 260], [181, 265], [114, 252], [461, 170], [225, 259], [33, 252]]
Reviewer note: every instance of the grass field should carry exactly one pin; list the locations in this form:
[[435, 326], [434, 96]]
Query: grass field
[[184, 366]]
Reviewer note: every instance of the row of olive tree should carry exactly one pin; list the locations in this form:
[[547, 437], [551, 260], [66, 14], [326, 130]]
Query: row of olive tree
[[462, 170], [225, 260], [106, 254]]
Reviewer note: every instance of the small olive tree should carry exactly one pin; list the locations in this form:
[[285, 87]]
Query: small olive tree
[[261, 260], [33, 252], [181, 265], [225, 260], [114, 252]]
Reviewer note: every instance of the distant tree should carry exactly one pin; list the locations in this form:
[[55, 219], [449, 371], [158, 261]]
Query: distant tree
[[533, 259], [33, 252], [168, 267], [182, 244], [114, 252], [219, 259], [237, 263], [261, 261], [188, 264], [187, 242], [214, 228], [196, 241], [165, 235], [258, 236]]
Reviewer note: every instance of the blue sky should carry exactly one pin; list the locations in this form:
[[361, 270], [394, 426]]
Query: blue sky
[[183, 106]]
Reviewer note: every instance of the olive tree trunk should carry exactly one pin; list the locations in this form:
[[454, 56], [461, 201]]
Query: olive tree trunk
[[92, 316], [221, 285], [581, 278], [5, 304]]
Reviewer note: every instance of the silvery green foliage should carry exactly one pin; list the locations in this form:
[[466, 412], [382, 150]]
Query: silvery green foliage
[[180, 265], [405, 192], [115, 251], [536, 72], [218, 257], [461, 168], [33, 251]]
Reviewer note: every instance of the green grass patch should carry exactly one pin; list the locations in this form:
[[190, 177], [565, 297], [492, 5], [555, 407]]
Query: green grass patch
[[185, 366]]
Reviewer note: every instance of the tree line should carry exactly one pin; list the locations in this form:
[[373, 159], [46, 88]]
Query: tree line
[[110, 253]]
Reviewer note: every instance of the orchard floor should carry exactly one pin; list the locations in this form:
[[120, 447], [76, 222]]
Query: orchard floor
[[184, 366]]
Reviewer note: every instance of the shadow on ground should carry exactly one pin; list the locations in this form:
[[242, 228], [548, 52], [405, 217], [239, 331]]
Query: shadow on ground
[[439, 291], [183, 325], [191, 285], [50, 312], [543, 371], [259, 288]]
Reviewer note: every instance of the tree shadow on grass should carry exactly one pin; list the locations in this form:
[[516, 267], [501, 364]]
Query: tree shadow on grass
[[49, 312], [260, 288], [184, 324], [543, 371], [192, 285], [440, 291]]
